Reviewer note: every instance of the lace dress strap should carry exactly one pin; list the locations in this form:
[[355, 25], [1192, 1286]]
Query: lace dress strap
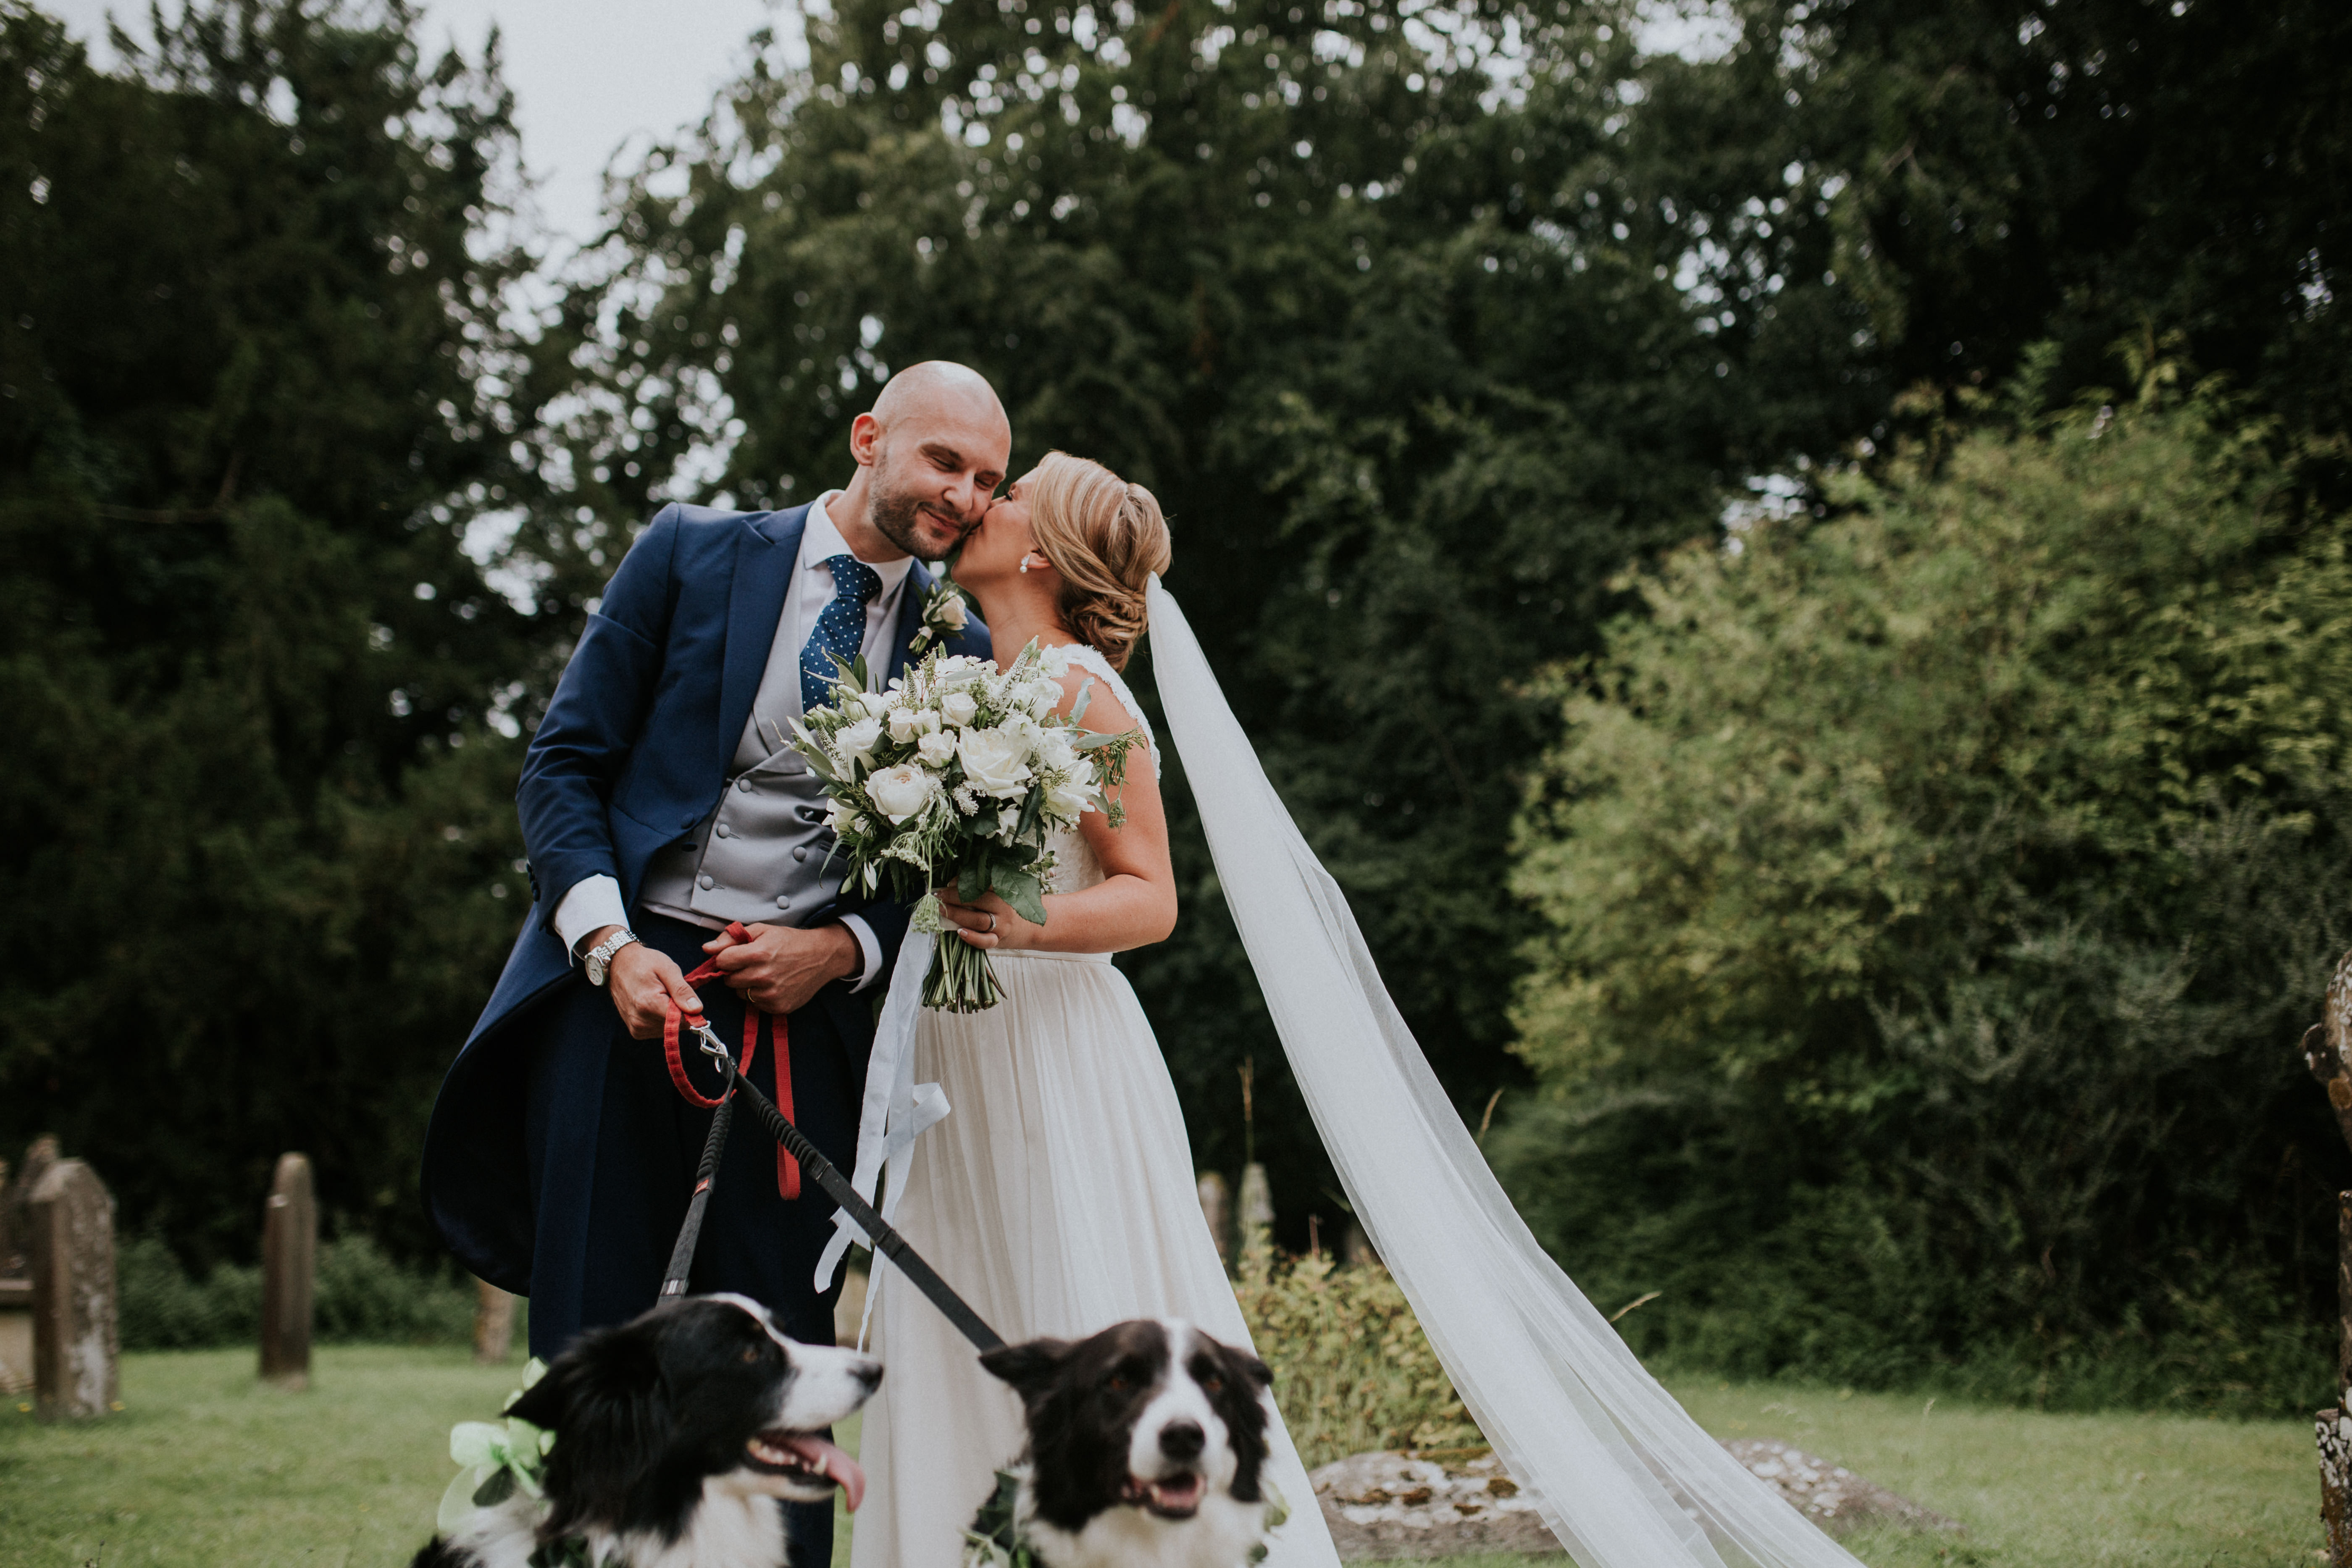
[[1090, 659]]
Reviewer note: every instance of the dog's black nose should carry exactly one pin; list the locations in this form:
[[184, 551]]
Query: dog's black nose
[[1182, 1439], [870, 1375]]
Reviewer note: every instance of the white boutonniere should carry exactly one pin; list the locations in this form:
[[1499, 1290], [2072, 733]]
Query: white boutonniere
[[944, 613]]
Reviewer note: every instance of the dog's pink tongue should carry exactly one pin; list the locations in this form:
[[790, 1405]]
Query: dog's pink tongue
[[826, 1459]]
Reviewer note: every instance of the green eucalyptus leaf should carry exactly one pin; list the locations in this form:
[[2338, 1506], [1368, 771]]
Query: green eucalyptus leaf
[[1022, 892]]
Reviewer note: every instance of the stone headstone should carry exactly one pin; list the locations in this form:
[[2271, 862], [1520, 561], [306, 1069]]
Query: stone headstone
[[1217, 1208], [1256, 1222], [290, 1260], [494, 1315], [2336, 1485], [70, 1226]]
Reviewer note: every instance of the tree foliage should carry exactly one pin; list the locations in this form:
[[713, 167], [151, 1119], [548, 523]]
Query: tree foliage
[[1935, 895], [258, 862]]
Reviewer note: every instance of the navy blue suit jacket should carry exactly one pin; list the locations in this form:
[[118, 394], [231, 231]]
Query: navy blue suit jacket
[[632, 754]]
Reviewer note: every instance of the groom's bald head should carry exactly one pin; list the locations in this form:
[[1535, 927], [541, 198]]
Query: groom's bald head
[[930, 456], [939, 388]]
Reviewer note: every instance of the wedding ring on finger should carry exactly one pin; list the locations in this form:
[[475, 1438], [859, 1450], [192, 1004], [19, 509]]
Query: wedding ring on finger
[[992, 922]]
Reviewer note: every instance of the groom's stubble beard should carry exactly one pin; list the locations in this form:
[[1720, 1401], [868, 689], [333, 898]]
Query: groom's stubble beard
[[896, 514]]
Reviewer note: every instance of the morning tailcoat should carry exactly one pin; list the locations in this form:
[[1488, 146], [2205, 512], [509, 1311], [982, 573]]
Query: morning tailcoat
[[631, 757]]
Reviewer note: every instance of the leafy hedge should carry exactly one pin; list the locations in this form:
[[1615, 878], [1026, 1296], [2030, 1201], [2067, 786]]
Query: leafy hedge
[[1936, 892], [362, 1296]]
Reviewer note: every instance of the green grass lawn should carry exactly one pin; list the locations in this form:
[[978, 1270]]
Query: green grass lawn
[[205, 1467]]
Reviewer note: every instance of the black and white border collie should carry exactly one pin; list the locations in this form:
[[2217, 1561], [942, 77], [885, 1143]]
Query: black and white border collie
[[675, 1434], [1146, 1448]]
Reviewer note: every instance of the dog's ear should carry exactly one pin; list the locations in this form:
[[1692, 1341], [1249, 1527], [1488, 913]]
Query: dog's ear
[[542, 1404], [608, 1404], [1029, 1368]]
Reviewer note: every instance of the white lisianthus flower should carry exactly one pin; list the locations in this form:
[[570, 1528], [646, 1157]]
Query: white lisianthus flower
[[951, 613], [936, 748], [905, 724], [844, 818], [1072, 792], [901, 792], [959, 708], [857, 740], [995, 760], [1044, 696]]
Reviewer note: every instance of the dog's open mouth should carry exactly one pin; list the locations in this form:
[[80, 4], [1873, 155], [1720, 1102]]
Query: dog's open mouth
[[1170, 1497], [805, 1455]]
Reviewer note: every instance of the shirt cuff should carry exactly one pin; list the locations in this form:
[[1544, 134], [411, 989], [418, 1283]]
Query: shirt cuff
[[593, 903], [868, 947]]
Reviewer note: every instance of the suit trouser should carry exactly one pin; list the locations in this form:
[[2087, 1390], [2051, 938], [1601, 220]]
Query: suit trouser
[[602, 1112]]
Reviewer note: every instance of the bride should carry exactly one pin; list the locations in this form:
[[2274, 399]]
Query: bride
[[1060, 1188], [1058, 1196]]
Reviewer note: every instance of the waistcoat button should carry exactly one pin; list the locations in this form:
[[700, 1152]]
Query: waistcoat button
[[743, 785], [703, 882], [783, 900], [725, 831], [800, 852]]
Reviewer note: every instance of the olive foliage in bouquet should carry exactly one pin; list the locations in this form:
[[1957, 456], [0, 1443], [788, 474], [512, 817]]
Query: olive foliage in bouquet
[[956, 775]]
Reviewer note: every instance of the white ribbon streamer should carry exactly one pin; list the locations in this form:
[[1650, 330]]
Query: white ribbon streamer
[[894, 1111], [1621, 1472]]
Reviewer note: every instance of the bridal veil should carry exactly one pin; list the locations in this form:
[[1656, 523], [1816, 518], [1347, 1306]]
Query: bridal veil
[[1624, 1476]]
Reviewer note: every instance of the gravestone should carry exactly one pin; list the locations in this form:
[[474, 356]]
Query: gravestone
[[290, 1260], [1217, 1208], [70, 1219], [1257, 1221], [494, 1315], [2328, 1053]]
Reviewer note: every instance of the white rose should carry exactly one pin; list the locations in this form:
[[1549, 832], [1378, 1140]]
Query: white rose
[[959, 708], [951, 612], [936, 748], [995, 760], [1056, 751], [901, 792], [905, 724], [858, 739], [1073, 792]]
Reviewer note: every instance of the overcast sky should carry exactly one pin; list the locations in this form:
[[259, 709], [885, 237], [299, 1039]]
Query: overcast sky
[[591, 75], [588, 75]]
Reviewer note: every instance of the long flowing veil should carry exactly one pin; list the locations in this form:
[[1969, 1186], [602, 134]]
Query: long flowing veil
[[1624, 1476]]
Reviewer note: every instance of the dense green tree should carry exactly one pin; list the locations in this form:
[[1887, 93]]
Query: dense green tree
[[1935, 896], [1407, 399], [259, 864]]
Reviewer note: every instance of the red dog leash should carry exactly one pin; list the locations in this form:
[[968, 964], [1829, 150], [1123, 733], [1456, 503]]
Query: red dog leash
[[788, 1170]]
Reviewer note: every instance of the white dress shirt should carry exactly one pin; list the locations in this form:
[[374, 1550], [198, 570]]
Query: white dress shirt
[[595, 902]]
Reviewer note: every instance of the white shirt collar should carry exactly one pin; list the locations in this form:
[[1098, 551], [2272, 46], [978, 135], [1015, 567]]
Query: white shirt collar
[[821, 542]]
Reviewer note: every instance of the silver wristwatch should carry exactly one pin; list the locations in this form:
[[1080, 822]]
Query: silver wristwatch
[[599, 962]]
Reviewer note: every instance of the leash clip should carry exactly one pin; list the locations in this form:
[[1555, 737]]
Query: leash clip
[[710, 1045]]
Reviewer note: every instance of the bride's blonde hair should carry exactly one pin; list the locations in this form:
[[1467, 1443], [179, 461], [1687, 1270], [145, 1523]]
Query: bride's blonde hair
[[1105, 537]]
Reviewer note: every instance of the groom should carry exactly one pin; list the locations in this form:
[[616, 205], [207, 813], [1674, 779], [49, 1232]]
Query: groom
[[659, 803]]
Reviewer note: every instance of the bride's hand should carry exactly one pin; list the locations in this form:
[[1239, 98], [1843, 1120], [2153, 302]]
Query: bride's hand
[[988, 922]]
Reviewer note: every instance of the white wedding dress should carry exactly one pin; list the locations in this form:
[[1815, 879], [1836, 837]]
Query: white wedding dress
[[1059, 1199]]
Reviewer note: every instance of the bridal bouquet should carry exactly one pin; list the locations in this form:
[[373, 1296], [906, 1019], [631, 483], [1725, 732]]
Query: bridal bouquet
[[956, 773]]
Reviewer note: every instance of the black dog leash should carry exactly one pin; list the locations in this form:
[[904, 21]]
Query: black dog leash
[[886, 1239]]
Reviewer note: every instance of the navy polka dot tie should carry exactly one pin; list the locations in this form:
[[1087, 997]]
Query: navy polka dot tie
[[840, 630]]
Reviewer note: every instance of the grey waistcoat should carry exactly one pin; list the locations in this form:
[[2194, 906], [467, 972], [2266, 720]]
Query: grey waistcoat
[[760, 855]]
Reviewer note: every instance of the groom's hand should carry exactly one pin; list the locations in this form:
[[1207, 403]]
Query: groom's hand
[[780, 968], [643, 982]]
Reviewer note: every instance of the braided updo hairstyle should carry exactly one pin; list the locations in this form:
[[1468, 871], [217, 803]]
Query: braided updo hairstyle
[[1105, 537]]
